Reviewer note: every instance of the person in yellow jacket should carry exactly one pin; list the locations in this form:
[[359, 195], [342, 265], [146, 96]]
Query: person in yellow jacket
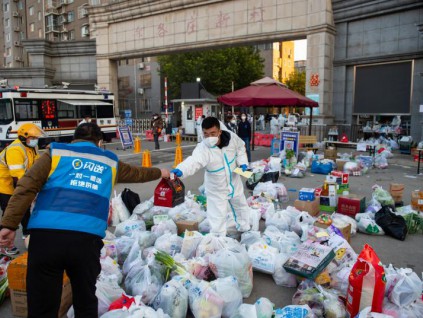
[[15, 160]]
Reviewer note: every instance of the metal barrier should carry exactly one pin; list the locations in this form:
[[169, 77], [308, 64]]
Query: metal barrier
[[138, 126], [352, 131]]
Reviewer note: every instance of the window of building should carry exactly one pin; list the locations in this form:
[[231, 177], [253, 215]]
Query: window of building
[[145, 80], [82, 11], [85, 31], [71, 35], [8, 51], [32, 27], [39, 16], [40, 33], [31, 10], [20, 5], [8, 37], [94, 2], [6, 7], [71, 16], [7, 23], [22, 35]]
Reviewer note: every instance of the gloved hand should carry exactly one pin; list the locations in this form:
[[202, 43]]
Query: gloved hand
[[243, 167], [177, 172]]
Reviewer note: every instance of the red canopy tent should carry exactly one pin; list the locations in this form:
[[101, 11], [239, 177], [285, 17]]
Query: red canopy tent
[[267, 92]]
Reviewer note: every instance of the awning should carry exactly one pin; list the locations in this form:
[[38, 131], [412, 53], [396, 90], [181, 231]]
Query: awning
[[84, 102]]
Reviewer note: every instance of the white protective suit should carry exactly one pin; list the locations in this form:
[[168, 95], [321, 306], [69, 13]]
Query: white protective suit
[[224, 189], [262, 122], [198, 123], [274, 128], [281, 121]]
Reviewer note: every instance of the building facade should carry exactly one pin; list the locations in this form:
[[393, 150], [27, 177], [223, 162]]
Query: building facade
[[278, 59]]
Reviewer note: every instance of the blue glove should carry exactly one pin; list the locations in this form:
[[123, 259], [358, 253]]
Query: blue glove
[[244, 168], [177, 172]]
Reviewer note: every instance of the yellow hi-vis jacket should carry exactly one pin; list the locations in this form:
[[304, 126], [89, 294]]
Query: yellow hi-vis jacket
[[15, 160]]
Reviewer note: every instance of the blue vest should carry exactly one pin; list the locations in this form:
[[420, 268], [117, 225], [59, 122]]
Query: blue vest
[[77, 192]]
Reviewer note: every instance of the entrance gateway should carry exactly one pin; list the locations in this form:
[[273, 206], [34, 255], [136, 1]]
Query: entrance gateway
[[132, 29]]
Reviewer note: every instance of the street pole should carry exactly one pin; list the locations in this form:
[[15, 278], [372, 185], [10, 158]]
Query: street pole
[[165, 98]]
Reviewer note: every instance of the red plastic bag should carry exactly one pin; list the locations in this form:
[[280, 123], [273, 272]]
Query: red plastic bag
[[366, 283], [344, 138], [169, 193], [124, 301]]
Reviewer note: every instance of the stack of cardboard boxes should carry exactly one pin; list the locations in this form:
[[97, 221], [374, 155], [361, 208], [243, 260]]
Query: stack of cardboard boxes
[[16, 275], [307, 201]]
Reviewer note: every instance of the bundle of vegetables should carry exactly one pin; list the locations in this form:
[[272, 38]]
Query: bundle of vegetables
[[169, 263], [4, 283], [414, 223]]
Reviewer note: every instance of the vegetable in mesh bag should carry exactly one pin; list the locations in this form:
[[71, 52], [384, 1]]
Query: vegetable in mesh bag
[[204, 301], [228, 289], [169, 243], [264, 308], [308, 294], [234, 262], [145, 281], [414, 223], [382, 196], [281, 276], [172, 299]]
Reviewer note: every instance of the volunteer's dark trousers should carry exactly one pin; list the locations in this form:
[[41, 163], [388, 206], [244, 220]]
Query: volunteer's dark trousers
[[50, 253], [156, 141], [4, 199]]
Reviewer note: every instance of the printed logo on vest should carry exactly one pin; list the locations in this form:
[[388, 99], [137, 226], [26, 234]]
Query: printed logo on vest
[[77, 164]]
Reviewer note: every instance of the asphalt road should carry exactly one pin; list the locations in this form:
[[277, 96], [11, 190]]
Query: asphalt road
[[402, 169]]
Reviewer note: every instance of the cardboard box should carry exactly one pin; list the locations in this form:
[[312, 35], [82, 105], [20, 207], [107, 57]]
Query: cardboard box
[[341, 177], [19, 301], [306, 194], [331, 153], [396, 190], [16, 273], [346, 230], [342, 188], [340, 164], [417, 200], [186, 225], [351, 204], [312, 207]]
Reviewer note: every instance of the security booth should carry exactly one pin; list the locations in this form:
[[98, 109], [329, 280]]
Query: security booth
[[195, 102]]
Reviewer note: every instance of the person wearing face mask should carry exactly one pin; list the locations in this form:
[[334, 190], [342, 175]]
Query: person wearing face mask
[[220, 153], [231, 123], [15, 160], [73, 183], [244, 132], [156, 126]]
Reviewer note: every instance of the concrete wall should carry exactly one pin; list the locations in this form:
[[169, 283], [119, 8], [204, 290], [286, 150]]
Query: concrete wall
[[365, 36]]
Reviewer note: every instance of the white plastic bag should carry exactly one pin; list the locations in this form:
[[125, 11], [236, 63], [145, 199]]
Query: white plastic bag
[[107, 292], [245, 311], [169, 243], [165, 226], [204, 301], [146, 239], [339, 221], [190, 243], [287, 242], [228, 289], [234, 261], [367, 224], [294, 311], [250, 237], [143, 207], [129, 226], [123, 247], [407, 288], [302, 224], [204, 226], [280, 275], [263, 257], [279, 219], [255, 217], [119, 209], [172, 299], [264, 308], [109, 267]]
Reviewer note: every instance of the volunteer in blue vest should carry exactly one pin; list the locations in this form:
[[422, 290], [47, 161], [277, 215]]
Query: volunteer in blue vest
[[220, 152], [74, 183]]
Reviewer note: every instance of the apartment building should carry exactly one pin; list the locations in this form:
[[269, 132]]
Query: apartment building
[[52, 20], [278, 59]]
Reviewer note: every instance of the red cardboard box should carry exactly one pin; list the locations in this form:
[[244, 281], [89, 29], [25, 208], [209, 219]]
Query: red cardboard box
[[342, 175], [351, 204], [312, 207]]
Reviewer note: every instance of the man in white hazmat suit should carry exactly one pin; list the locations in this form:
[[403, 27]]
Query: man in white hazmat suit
[[281, 121], [274, 128], [220, 153]]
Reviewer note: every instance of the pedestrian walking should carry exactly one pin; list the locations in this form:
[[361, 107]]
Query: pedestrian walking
[[274, 127], [156, 126], [15, 160], [244, 132], [74, 183], [230, 123], [220, 153]]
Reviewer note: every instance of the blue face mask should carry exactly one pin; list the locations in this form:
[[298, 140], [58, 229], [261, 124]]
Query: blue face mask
[[33, 143]]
